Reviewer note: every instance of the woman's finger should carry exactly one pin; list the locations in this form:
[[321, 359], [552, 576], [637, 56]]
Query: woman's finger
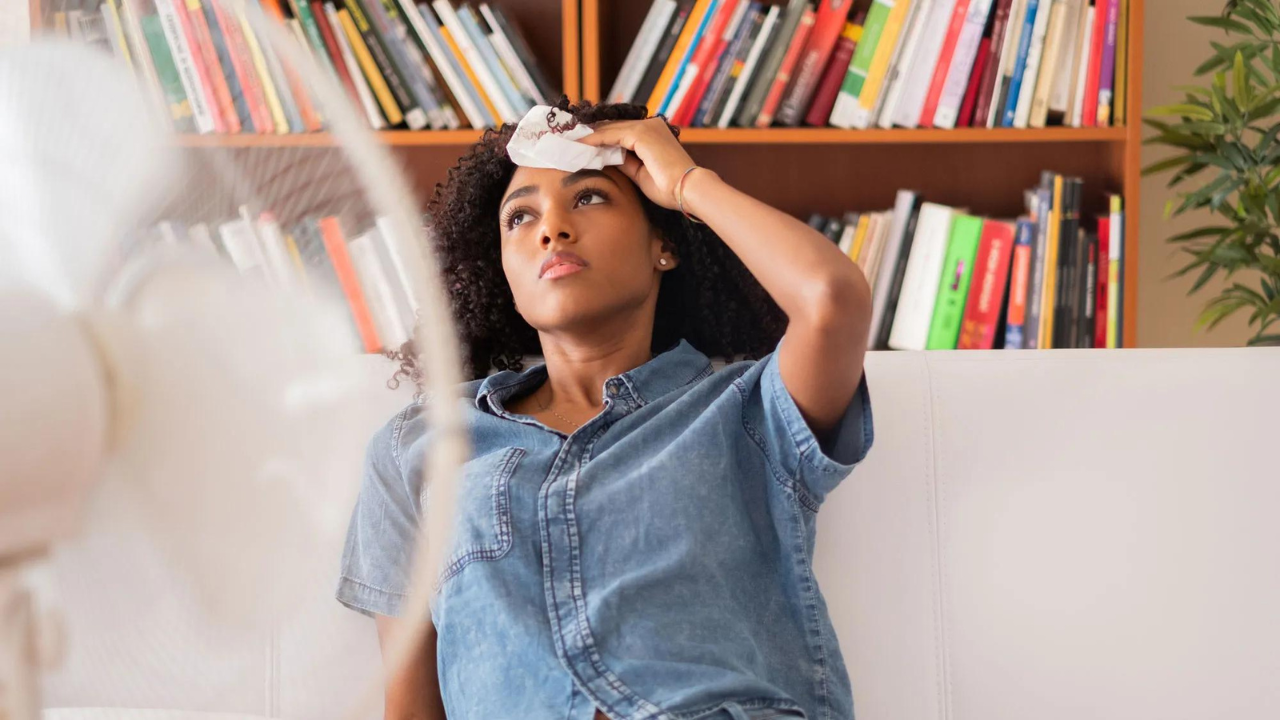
[[612, 133]]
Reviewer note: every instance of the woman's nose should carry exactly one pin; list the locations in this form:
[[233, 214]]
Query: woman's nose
[[554, 226]]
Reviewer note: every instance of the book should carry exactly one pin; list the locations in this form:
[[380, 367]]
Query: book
[[771, 61], [893, 270], [783, 78], [1093, 70], [953, 284], [968, 106], [1068, 57], [657, 64], [917, 78], [1031, 71], [990, 276], [1107, 68], [919, 291], [1115, 268], [1101, 302], [900, 65], [1019, 67], [824, 98], [729, 66], [962, 63], [335, 245], [842, 113], [669, 81], [1075, 117], [698, 72], [828, 23], [1019, 284], [991, 70], [1121, 66], [193, 87], [650, 35], [1038, 113], [863, 111], [767, 32], [1008, 63], [938, 80]]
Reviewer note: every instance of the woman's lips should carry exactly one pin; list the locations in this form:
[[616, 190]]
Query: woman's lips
[[561, 269]]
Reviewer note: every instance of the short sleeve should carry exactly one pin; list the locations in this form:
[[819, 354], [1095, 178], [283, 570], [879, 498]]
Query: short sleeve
[[818, 466], [375, 566]]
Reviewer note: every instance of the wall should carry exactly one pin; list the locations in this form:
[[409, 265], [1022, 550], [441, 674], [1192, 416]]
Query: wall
[[1166, 315]]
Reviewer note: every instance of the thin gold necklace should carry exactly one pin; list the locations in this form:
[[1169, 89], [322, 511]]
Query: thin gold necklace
[[553, 412]]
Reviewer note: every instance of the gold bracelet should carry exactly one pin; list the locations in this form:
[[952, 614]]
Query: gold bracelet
[[680, 194]]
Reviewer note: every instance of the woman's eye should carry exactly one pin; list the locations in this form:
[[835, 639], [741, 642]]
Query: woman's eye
[[588, 194], [515, 216]]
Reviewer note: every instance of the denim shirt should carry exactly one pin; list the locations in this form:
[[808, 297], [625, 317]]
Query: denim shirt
[[656, 562]]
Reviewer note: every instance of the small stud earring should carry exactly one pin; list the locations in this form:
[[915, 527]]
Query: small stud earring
[[662, 261]]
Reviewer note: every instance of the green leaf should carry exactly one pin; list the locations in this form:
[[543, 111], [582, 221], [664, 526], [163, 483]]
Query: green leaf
[[1241, 80], [1166, 164], [1222, 23], [1193, 90], [1182, 110], [1210, 65], [1263, 340], [1217, 311], [1200, 232], [1201, 127], [1209, 271]]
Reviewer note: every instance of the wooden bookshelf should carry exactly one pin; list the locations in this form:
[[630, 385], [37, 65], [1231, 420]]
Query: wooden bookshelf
[[582, 44], [828, 170]]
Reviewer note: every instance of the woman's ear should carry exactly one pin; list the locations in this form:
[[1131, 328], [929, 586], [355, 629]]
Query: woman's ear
[[668, 259]]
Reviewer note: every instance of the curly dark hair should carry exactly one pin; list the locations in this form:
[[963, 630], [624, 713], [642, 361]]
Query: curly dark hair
[[709, 299]]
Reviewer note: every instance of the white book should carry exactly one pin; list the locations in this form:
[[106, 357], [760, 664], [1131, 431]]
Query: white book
[[863, 112], [891, 75], [895, 83], [398, 268], [846, 236], [401, 294], [871, 263], [1026, 93], [889, 258], [749, 66], [202, 239], [642, 49], [1076, 117], [242, 247], [920, 283], [185, 62], [367, 102], [507, 53], [1060, 94], [275, 250], [1051, 58], [961, 67], [1008, 58], [920, 74], [387, 322], [472, 54]]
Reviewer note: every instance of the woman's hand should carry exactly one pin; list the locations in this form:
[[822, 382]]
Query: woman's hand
[[655, 159]]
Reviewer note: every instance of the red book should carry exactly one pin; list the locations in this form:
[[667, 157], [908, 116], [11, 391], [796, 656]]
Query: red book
[[987, 90], [242, 62], [1092, 75], [829, 87], [771, 101], [965, 119], [209, 56], [335, 52], [1100, 314], [944, 63], [986, 290], [335, 244], [197, 59], [703, 62], [827, 26]]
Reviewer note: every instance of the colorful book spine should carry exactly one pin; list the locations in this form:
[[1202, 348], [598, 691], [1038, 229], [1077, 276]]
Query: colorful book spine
[[745, 78], [783, 78], [282, 121], [986, 295], [872, 89], [332, 49], [171, 83], [953, 285], [962, 61], [697, 31], [1122, 66], [824, 99], [1019, 285], [377, 83], [1104, 270], [969, 106], [242, 64], [1106, 74], [171, 20], [991, 71], [335, 244], [207, 64], [697, 74], [827, 26], [1035, 55], [729, 65], [1089, 117], [228, 66], [1010, 110], [684, 40], [939, 79], [877, 17], [1115, 280]]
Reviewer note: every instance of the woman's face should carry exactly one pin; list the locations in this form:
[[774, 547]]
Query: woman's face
[[577, 247]]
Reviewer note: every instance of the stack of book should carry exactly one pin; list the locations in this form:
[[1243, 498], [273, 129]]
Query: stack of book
[[901, 63], [404, 65], [319, 256], [943, 278]]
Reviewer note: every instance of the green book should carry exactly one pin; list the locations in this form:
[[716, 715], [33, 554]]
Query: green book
[[953, 286], [866, 50], [167, 73]]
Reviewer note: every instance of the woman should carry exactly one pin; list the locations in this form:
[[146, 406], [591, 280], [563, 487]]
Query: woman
[[635, 529]]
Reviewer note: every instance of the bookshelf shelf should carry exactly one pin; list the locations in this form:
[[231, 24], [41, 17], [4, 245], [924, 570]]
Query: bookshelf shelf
[[706, 136]]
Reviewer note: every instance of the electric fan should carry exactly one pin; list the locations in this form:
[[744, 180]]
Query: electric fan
[[177, 330]]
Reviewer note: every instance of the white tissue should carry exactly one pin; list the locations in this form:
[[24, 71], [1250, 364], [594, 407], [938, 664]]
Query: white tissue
[[535, 145]]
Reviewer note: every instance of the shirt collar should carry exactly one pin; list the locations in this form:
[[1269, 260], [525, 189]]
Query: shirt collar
[[669, 370]]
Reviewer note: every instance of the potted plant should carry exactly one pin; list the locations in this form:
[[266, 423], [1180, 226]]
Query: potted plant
[[1227, 156]]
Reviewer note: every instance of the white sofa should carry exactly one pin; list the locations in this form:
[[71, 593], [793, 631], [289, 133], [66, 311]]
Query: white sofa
[[1050, 535]]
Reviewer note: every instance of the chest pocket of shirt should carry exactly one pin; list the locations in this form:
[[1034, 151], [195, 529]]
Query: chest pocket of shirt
[[482, 526]]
